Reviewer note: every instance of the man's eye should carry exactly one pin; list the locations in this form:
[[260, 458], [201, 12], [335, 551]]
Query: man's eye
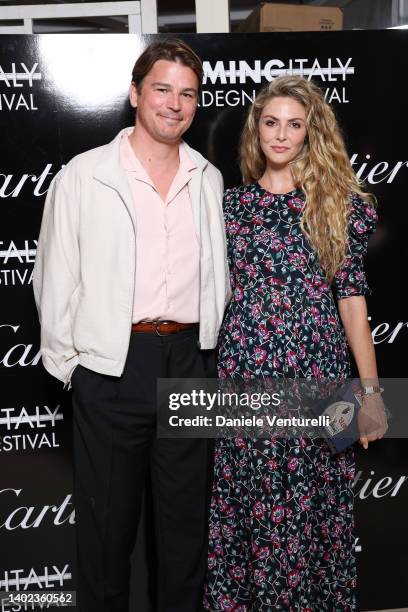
[[163, 89], [187, 95]]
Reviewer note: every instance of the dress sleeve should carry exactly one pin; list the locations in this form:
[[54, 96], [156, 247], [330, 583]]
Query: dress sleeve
[[230, 228], [351, 279]]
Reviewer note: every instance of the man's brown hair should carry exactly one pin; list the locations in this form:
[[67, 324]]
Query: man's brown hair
[[172, 50]]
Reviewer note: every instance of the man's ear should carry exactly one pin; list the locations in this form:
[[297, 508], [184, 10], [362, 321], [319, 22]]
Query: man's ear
[[133, 95]]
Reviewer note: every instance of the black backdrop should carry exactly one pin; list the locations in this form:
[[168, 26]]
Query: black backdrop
[[63, 94]]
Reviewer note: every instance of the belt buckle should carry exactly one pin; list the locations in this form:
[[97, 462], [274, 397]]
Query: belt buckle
[[157, 323]]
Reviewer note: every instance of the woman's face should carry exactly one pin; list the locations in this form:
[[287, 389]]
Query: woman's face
[[282, 130]]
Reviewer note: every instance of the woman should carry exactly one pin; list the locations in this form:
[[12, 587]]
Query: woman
[[281, 525]]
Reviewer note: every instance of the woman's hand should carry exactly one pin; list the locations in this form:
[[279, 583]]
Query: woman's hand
[[372, 420]]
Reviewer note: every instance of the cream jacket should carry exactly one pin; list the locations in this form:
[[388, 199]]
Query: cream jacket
[[85, 264]]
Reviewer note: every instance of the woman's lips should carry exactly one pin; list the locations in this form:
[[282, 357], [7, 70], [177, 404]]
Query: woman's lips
[[280, 149]]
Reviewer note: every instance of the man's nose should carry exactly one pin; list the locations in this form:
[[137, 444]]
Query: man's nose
[[173, 101]]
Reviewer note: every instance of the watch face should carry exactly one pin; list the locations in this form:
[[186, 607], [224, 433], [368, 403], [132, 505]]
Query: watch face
[[370, 390]]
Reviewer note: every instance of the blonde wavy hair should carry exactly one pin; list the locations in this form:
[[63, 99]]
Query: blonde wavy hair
[[322, 169]]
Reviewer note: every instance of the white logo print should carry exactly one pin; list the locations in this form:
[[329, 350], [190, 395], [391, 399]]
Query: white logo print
[[233, 72], [16, 78], [12, 260], [25, 428]]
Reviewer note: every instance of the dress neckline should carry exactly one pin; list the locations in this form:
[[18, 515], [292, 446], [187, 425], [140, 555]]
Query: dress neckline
[[288, 193]]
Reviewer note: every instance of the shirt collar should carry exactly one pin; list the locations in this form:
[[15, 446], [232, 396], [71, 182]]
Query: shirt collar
[[131, 163]]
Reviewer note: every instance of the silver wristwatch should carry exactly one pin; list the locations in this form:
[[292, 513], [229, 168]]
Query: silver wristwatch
[[371, 389]]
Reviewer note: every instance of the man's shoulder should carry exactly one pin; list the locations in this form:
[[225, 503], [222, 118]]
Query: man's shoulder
[[214, 175], [78, 169], [210, 170], [84, 164], [87, 160], [213, 170]]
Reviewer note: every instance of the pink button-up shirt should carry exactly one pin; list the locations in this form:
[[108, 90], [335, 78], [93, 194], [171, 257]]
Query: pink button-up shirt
[[167, 248]]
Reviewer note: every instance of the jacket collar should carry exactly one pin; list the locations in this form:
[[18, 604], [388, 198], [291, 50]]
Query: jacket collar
[[195, 155], [109, 169]]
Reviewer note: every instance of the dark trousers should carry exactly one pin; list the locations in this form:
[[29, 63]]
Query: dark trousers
[[115, 444]]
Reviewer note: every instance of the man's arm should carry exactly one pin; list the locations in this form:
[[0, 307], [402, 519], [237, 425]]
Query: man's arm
[[57, 274], [218, 183], [220, 193]]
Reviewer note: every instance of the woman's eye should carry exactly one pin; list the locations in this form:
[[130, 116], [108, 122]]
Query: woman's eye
[[270, 123], [296, 124]]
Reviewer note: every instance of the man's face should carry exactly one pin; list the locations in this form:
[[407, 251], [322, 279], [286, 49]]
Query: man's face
[[167, 100]]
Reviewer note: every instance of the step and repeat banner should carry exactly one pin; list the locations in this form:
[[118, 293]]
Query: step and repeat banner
[[63, 94]]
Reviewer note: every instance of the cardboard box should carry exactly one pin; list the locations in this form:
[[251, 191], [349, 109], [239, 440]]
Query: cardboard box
[[270, 17]]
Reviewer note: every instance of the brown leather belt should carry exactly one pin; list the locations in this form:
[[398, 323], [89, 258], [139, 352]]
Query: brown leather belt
[[161, 328]]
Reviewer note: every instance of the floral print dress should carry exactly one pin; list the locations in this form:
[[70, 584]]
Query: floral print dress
[[281, 521]]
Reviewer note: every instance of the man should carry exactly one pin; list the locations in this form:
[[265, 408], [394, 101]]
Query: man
[[133, 235]]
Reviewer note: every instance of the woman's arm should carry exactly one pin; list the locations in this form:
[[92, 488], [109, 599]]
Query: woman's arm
[[353, 314]]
